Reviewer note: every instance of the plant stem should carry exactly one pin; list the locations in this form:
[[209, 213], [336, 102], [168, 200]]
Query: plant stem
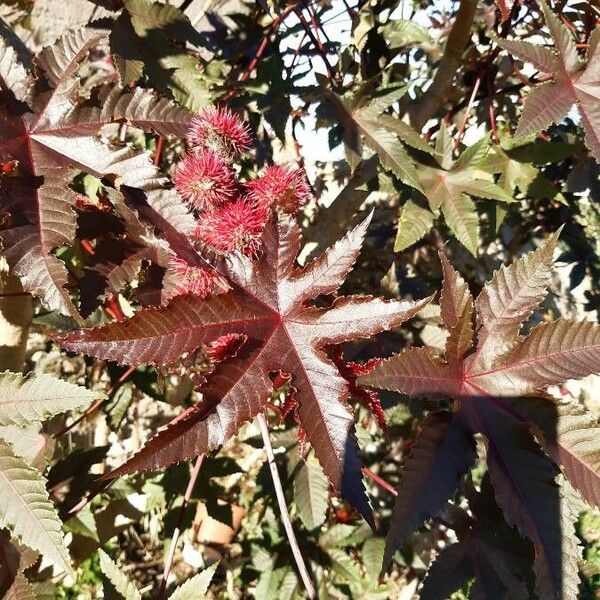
[[465, 118], [436, 94], [160, 142], [318, 44], [177, 531], [93, 408], [382, 483], [285, 515]]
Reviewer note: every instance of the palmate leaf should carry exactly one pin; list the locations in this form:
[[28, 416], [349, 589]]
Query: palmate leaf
[[142, 41], [195, 587], [311, 493], [447, 187], [364, 125], [268, 304], [34, 398], [574, 81], [492, 385], [518, 162], [51, 137], [26, 511], [442, 453], [125, 588]]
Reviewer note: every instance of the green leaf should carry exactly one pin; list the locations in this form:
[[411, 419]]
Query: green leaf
[[195, 587], [446, 187], [84, 523], [361, 123], [513, 174], [26, 510], [472, 155], [392, 154], [34, 398], [342, 535], [461, 216], [28, 443], [383, 98], [311, 493], [403, 32], [119, 580], [482, 188], [405, 132], [118, 406], [443, 147], [372, 556], [290, 586], [190, 89], [345, 567], [413, 224], [142, 41], [269, 583]]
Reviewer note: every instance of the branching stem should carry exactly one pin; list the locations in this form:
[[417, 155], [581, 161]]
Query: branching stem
[[93, 408], [424, 108], [177, 531], [285, 515]]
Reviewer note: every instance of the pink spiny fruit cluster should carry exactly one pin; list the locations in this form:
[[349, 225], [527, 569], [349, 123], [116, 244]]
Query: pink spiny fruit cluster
[[230, 216], [204, 180], [222, 131], [281, 186], [193, 280]]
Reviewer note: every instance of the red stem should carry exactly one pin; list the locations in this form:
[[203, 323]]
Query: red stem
[[317, 43], [112, 307], [93, 408], [379, 481], [160, 142], [260, 50], [87, 246], [492, 115]]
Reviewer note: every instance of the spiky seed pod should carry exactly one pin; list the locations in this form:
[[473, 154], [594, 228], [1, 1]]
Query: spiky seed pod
[[204, 180], [280, 186], [235, 226], [190, 279], [220, 130]]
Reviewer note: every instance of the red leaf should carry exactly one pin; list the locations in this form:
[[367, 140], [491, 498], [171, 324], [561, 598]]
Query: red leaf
[[489, 384], [574, 82], [52, 134], [267, 304]]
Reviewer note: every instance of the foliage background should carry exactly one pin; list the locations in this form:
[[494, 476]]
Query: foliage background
[[308, 76]]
